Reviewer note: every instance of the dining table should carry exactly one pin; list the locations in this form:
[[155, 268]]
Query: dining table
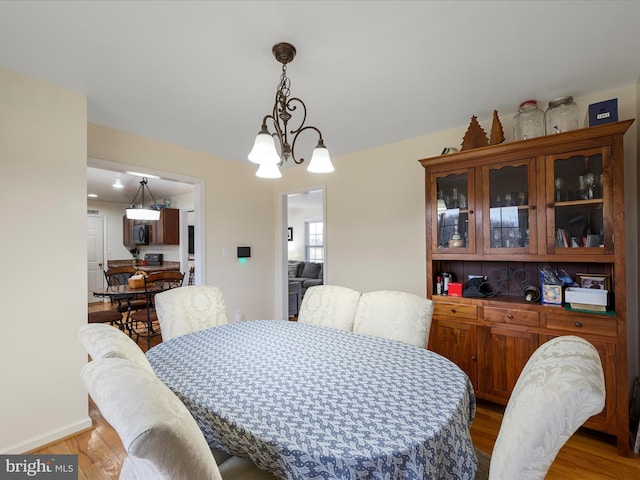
[[306, 402]]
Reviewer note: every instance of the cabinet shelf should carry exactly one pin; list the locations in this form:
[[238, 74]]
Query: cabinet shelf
[[544, 181], [575, 203]]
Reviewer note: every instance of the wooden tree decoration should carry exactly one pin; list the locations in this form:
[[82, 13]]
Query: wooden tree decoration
[[497, 133], [475, 136]]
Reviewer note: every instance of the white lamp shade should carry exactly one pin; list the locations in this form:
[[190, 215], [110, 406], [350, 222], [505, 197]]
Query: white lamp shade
[[320, 161], [143, 214], [264, 150], [268, 170]]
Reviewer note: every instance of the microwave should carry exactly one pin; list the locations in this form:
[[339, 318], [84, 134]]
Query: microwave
[[140, 234]]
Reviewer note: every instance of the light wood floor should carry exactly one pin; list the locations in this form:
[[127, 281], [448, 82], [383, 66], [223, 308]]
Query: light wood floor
[[588, 455]]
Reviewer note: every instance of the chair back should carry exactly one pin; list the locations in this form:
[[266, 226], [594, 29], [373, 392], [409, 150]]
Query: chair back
[[160, 281], [104, 341], [188, 309], [161, 438], [118, 275], [395, 315], [329, 306], [560, 387]]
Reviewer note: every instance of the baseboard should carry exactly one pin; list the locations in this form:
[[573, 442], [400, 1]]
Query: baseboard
[[49, 437]]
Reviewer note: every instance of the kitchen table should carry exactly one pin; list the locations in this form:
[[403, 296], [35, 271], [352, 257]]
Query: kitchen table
[[304, 401]]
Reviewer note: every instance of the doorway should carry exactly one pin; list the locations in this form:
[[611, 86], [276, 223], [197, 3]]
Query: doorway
[[194, 211], [95, 255], [299, 211]]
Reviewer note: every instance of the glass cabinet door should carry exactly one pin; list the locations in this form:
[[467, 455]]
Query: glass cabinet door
[[577, 189], [509, 192], [454, 221]]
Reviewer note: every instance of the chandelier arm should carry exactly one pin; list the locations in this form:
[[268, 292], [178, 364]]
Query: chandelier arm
[[292, 108], [298, 132]]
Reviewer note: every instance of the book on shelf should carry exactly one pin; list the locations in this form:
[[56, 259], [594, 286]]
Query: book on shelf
[[588, 306], [561, 238]]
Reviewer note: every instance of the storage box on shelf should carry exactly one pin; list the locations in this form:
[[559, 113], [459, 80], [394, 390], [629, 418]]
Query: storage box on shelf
[[508, 211]]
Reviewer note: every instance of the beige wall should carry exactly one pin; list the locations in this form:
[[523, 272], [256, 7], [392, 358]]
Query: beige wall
[[43, 243], [238, 208]]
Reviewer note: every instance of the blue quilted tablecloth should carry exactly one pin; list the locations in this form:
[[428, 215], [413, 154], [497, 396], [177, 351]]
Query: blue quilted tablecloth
[[308, 402]]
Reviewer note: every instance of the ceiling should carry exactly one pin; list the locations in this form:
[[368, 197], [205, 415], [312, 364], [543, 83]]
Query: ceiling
[[200, 74], [100, 182]]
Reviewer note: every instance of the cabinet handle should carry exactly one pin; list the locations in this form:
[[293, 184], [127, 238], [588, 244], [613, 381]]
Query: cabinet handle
[[510, 317], [550, 205], [532, 207], [453, 310], [578, 324], [470, 212], [473, 358]]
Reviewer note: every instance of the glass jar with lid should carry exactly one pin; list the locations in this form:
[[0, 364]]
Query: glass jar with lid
[[529, 121], [562, 115]]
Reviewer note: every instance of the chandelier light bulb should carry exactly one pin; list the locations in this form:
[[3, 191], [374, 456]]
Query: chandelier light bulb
[[264, 149], [320, 160], [268, 170]]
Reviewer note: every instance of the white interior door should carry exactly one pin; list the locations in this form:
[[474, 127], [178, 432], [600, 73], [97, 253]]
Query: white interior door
[[95, 256]]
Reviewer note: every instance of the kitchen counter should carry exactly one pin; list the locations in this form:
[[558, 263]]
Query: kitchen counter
[[145, 268]]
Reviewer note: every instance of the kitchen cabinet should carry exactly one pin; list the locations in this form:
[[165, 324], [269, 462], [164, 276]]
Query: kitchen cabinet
[[165, 231], [127, 232], [505, 212]]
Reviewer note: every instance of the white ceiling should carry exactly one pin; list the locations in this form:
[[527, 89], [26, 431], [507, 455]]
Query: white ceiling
[[200, 74]]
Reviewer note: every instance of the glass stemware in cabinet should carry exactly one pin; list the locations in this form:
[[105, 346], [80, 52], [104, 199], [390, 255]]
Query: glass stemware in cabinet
[[588, 180], [558, 183]]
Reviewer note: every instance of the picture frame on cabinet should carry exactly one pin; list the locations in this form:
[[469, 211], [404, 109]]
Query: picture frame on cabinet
[[588, 280]]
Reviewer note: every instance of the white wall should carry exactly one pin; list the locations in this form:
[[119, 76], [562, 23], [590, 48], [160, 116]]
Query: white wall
[[113, 213], [44, 257]]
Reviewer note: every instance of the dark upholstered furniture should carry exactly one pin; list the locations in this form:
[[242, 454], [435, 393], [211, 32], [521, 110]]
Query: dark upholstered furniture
[[295, 297], [307, 274]]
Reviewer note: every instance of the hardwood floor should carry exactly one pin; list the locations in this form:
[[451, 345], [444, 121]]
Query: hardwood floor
[[588, 455]]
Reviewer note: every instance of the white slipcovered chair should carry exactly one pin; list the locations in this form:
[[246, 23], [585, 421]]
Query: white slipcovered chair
[[162, 440], [395, 315], [560, 387], [189, 309], [104, 341], [329, 306]]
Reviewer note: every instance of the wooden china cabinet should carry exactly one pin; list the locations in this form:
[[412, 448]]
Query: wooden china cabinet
[[505, 213]]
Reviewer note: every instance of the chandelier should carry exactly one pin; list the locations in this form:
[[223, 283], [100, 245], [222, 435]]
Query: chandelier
[[264, 151], [142, 213]]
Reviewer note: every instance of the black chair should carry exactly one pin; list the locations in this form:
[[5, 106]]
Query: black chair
[[144, 322], [124, 304]]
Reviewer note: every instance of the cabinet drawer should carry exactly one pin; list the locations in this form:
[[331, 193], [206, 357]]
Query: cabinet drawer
[[576, 324], [455, 310], [512, 316]]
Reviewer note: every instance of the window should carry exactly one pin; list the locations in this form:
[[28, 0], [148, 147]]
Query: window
[[314, 242]]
